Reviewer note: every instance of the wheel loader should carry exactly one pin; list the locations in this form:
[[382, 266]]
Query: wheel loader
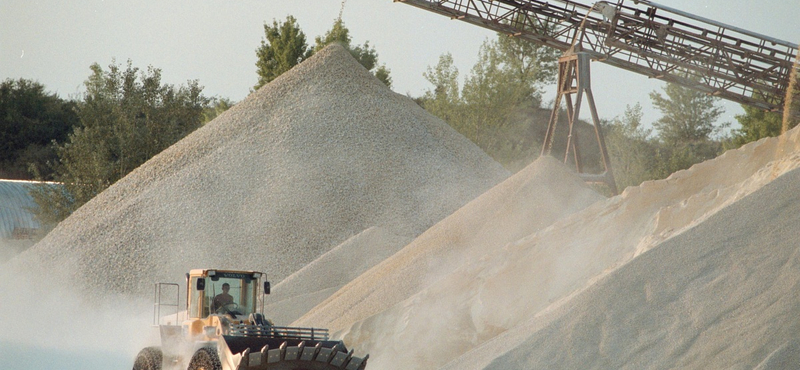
[[221, 329]]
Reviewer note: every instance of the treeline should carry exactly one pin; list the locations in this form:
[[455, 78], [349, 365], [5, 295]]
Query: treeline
[[127, 115], [499, 107]]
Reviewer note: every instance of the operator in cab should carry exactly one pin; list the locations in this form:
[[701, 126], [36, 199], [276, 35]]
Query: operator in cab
[[222, 300]]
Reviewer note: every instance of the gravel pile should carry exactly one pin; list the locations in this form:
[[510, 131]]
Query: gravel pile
[[319, 155], [490, 305]]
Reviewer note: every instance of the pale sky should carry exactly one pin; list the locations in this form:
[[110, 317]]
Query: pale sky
[[214, 41]]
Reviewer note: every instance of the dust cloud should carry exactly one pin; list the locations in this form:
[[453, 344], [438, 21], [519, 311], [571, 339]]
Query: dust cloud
[[49, 325]]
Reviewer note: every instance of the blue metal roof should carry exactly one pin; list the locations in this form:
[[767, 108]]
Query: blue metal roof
[[14, 203]]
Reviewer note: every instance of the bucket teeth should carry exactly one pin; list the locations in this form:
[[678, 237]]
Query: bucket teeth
[[276, 355], [310, 353], [245, 361], [340, 359], [255, 359], [357, 363], [285, 354], [293, 353], [325, 355]]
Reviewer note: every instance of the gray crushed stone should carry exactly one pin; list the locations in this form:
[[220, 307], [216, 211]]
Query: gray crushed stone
[[304, 163]]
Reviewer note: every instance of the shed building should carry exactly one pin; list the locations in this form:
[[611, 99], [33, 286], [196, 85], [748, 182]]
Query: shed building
[[18, 228]]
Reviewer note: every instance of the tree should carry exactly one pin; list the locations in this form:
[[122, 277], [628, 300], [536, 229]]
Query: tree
[[493, 108], [124, 121], [444, 101], [756, 124], [216, 107], [364, 54], [30, 120], [631, 148], [530, 63], [688, 115], [284, 47], [686, 128], [491, 95]]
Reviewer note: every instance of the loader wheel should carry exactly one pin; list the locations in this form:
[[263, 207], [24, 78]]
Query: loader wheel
[[148, 358], [205, 359]]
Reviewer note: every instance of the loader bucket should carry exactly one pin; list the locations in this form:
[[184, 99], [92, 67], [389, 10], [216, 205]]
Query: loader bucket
[[259, 353]]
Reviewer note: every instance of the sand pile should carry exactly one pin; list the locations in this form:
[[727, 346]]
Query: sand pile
[[312, 284], [319, 155], [721, 295], [530, 200], [520, 282]]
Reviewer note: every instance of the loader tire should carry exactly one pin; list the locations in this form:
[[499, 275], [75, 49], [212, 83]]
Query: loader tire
[[149, 358], [205, 359]]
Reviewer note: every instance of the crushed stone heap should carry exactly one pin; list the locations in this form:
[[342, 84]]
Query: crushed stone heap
[[313, 158]]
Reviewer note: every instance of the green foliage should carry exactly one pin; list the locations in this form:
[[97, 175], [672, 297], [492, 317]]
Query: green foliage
[[364, 54], [493, 108], [685, 136], [30, 120], [124, 121], [284, 47], [530, 63], [54, 203], [337, 34], [688, 115], [756, 124], [631, 148], [686, 130], [216, 107], [444, 101]]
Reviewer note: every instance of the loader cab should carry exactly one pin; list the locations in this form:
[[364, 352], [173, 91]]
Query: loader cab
[[223, 292]]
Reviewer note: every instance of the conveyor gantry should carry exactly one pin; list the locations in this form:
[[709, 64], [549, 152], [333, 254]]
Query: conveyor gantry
[[647, 38], [640, 36]]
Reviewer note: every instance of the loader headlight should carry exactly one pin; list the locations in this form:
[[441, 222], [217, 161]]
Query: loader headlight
[[210, 331]]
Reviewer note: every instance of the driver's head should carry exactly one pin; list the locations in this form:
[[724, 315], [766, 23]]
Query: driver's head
[[226, 287]]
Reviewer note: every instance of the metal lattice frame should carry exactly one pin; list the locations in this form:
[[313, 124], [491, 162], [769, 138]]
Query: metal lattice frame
[[575, 79], [646, 38]]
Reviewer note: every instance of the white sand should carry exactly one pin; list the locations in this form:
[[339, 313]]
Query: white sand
[[528, 201], [312, 284], [515, 283], [722, 295]]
